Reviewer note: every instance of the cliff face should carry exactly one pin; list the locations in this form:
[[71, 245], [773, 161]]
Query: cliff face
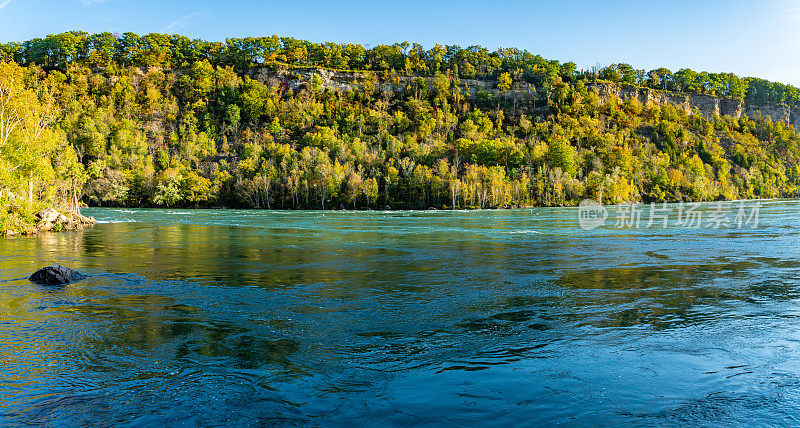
[[338, 80], [705, 105]]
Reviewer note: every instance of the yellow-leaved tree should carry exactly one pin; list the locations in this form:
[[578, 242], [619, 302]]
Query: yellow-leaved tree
[[38, 166]]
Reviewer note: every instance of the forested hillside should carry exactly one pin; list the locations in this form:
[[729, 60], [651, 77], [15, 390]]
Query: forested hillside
[[172, 122]]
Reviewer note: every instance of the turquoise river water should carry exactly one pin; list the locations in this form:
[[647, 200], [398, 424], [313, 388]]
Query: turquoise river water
[[490, 318]]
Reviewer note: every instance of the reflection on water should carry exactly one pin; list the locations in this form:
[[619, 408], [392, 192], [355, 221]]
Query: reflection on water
[[507, 317]]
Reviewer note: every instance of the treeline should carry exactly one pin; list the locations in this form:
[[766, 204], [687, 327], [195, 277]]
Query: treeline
[[115, 51], [752, 90], [208, 135]]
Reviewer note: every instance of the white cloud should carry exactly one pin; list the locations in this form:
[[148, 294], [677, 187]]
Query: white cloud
[[4, 4], [179, 23]]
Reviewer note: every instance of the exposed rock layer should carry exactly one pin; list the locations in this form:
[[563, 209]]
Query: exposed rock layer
[[705, 105]]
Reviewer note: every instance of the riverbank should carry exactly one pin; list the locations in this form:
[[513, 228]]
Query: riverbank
[[17, 222]]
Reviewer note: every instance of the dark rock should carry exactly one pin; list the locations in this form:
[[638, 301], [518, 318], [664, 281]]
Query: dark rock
[[56, 275]]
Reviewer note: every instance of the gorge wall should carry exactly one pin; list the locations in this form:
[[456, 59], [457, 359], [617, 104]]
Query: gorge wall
[[706, 105]]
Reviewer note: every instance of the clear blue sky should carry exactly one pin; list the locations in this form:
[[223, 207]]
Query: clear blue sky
[[749, 38]]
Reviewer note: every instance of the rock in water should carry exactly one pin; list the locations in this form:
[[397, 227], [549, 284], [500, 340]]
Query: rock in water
[[56, 275]]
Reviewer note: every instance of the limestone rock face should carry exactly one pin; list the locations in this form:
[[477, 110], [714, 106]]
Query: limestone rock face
[[44, 226], [56, 275], [48, 215], [704, 105]]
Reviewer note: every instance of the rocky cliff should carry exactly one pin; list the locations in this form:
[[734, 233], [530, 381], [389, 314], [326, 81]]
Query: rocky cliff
[[705, 105], [338, 80]]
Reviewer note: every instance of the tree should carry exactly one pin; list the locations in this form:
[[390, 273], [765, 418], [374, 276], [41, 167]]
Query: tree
[[266, 174], [407, 132], [196, 188], [504, 82], [370, 190], [562, 155], [627, 73], [28, 143], [354, 187]]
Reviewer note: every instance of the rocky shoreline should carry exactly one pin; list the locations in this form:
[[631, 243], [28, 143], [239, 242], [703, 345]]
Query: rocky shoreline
[[50, 220]]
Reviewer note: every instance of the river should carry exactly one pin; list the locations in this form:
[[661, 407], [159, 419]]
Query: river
[[521, 317]]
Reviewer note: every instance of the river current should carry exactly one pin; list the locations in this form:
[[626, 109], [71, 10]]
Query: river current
[[491, 318]]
